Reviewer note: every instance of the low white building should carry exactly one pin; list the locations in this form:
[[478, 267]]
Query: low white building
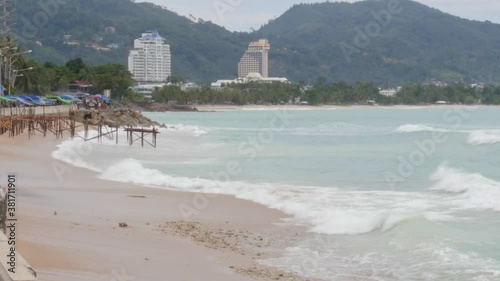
[[442, 102], [479, 87], [190, 86], [147, 89], [254, 76], [251, 77], [220, 83], [389, 92]]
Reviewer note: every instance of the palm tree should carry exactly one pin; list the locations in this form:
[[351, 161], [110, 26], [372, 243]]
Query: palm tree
[[24, 78], [62, 78], [87, 74], [176, 80]]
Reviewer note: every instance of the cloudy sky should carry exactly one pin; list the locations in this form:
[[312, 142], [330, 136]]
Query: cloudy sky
[[241, 15]]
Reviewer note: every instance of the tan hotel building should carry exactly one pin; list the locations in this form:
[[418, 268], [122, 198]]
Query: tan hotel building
[[255, 59]]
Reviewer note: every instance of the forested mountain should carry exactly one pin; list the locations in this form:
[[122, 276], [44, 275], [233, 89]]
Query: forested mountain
[[200, 51], [414, 43]]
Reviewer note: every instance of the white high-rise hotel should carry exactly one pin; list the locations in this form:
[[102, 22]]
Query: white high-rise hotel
[[150, 60], [255, 59]]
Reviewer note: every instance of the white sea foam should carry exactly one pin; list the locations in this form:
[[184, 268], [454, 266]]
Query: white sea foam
[[326, 210], [412, 128], [474, 190], [328, 129], [480, 137], [180, 129], [394, 224], [73, 152], [332, 129], [336, 129], [339, 258], [484, 137], [334, 211], [185, 129]]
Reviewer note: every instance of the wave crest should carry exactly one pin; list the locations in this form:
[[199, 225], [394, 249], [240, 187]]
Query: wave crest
[[475, 191], [180, 128], [303, 203], [413, 128], [326, 209], [484, 137]]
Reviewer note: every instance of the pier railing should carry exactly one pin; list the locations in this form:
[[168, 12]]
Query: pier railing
[[39, 110], [58, 119], [46, 119]]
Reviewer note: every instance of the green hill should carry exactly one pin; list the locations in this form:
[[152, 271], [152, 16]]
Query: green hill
[[308, 41], [200, 51], [416, 44]]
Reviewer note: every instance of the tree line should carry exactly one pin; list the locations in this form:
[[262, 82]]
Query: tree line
[[20, 74], [236, 94], [48, 77], [38, 78], [322, 93]]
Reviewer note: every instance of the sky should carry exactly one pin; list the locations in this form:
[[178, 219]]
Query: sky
[[242, 15]]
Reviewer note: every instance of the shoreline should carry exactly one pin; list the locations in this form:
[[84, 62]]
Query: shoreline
[[215, 108], [69, 225]]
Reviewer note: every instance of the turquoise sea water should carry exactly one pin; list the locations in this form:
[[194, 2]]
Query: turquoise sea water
[[386, 193]]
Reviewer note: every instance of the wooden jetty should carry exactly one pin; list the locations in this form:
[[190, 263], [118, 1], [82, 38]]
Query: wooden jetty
[[135, 134], [55, 121], [59, 119], [102, 130]]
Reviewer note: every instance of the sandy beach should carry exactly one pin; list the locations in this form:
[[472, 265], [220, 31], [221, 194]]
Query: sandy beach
[[69, 225]]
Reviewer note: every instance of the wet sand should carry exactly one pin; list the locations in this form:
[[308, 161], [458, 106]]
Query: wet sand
[[69, 225]]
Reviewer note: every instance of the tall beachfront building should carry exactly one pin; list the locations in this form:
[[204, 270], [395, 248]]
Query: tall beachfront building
[[255, 59], [150, 60]]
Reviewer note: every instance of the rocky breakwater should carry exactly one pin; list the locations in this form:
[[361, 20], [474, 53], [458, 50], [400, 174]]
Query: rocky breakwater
[[123, 117], [162, 107]]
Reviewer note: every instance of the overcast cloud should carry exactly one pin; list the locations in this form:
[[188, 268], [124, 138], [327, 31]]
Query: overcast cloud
[[242, 15]]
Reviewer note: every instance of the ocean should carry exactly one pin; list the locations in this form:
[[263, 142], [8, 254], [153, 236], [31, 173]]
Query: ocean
[[401, 194]]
